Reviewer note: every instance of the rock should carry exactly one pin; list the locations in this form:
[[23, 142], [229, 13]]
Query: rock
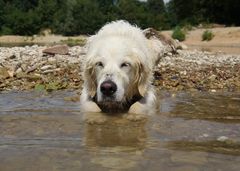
[[46, 67], [12, 56], [51, 71], [61, 50], [52, 60], [212, 77], [222, 138], [19, 70], [4, 73]]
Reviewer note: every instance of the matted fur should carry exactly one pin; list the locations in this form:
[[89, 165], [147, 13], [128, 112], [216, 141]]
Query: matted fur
[[121, 53]]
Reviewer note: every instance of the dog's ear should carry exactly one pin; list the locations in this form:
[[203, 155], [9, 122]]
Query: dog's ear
[[142, 78], [90, 79]]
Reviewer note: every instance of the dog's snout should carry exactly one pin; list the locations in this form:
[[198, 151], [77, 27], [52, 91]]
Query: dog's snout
[[108, 88]]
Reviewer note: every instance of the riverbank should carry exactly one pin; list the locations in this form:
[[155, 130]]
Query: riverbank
[[226, 39], [24, 68]]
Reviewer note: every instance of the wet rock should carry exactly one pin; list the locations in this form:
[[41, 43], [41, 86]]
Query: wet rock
[[61, 50], [222, 138]]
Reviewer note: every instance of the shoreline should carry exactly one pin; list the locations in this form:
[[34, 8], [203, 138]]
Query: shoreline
[[27, 68]]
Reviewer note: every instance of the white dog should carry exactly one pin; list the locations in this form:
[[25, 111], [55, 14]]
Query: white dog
[[117, 71]]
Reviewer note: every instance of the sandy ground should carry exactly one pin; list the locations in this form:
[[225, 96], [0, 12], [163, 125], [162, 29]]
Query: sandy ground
[[49, 39], [225, 40]]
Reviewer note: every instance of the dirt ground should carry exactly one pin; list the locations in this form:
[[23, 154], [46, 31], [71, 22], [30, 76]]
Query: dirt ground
[[225, 40], [36, 39]]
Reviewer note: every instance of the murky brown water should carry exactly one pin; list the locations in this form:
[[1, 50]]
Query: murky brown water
[[191, 132]]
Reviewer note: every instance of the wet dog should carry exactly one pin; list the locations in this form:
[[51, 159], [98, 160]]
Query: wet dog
[[117, 71]]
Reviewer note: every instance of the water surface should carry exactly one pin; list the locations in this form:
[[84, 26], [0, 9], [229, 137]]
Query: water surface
[[191, 131]]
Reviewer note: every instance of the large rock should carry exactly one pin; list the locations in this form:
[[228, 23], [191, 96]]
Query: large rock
[[60, 49]]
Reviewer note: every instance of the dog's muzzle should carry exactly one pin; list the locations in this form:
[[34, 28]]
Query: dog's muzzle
[[108, 88]]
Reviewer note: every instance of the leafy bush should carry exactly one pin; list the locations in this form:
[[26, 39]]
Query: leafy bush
[[207, 35], [179, 34], [187, 27], [5, 31]]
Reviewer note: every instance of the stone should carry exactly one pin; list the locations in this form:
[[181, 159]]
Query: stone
[[51, 71], [60, 49], [222, 138], [4, 73], [19, 70], [46, 67]]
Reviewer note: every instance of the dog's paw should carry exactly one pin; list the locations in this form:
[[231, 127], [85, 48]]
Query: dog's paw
[[135, 117], [137, 108], [95, 118]]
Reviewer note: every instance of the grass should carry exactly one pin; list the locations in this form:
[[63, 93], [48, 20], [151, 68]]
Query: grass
[[74, 42], [179, 34], [207, 35]]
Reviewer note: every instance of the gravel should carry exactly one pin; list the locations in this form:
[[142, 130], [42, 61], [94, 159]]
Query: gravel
[[23, 68]]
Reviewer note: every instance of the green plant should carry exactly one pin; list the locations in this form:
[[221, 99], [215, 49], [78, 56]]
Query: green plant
[[5, 30], [187, 27], [179, 34], [207, 35], [74, 42]]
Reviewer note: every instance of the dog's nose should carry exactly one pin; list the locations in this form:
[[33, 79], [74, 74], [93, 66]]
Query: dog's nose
[[108, 88]]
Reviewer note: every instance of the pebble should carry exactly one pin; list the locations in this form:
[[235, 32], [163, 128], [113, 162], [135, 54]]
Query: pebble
[[222, 138], [51, 71], [19, 70], [46, 67]]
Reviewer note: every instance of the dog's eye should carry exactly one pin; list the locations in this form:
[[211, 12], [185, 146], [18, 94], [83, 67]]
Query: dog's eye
[[125, 64], [99, 64]]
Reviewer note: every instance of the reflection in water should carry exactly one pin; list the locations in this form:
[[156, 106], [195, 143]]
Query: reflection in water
[[115, 134], [191, 131], [121, 140]]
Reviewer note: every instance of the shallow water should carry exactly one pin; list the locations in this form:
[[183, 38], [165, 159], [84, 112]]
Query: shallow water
[[191, 131]]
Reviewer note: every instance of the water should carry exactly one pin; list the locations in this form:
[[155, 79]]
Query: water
[[192, 131]]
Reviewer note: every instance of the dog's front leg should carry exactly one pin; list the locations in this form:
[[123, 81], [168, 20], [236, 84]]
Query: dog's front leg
[[137, 108], [136, 112], [90, 106]]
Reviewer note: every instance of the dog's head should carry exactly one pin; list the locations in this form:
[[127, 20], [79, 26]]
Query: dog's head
[[118, 66]]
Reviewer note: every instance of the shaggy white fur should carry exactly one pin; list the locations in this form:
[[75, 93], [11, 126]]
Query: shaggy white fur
[[118, 70]]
